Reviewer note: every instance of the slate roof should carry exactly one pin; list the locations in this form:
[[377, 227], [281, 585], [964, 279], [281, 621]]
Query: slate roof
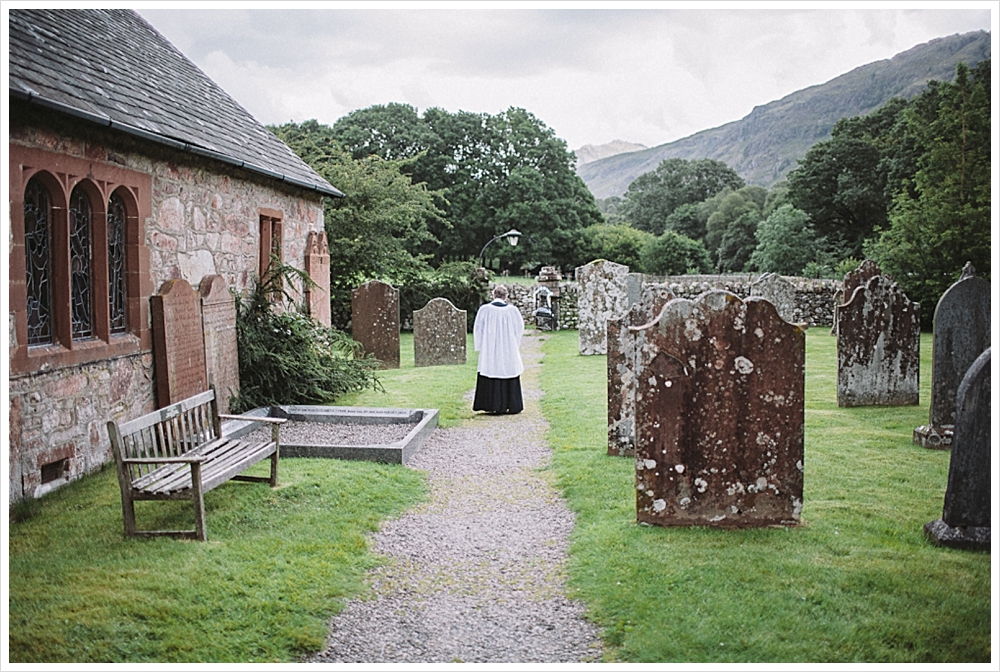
[[110, 67]]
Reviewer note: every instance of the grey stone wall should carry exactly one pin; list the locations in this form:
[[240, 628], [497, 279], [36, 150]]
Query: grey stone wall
[[814, 299]]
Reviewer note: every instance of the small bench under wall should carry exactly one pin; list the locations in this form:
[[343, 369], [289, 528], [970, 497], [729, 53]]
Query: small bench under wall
[[179, 453]]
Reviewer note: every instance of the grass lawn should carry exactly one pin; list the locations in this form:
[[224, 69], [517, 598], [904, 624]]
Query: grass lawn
[[856, 582]]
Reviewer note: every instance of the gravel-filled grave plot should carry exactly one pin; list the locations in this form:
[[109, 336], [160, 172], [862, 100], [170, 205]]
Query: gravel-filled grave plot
[[390, 435]]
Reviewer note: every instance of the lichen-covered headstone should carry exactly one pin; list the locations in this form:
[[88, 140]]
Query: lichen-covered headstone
[[622, 366], [965, 521], [375, 321], [878, 347], [779, 291], [439, 330], [720, 414], [859, 277], [961, 333], [603, 296], [218, 317]]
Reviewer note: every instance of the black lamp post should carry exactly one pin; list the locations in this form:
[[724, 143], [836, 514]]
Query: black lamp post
[[512, 237]]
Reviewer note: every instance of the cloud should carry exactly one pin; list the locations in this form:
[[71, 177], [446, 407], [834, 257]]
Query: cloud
[[648, 76]]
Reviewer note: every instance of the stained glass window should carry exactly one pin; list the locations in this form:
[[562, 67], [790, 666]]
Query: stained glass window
[[116, 264], [38, 258], [80, 254]]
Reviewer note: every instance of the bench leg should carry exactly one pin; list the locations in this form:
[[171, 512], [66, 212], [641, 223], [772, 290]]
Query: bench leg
[[201, 533], [276, 437], [128, 513]]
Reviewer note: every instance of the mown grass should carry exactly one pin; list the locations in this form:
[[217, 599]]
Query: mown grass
[[278, 564], [440, 387], [856, 582]]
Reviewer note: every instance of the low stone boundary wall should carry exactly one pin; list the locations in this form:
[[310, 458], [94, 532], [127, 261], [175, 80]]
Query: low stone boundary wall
[[814, 298]]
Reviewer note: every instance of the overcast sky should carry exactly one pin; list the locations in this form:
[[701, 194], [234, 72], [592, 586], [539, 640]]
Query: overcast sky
[[652, 74]]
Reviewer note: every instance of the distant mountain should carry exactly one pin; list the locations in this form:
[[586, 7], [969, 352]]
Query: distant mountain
[[589, 153], [767, 143]]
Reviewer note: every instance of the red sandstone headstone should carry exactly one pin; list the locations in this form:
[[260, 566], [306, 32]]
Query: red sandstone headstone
[[178, 343], [720, 414], [218, 314], [375, 321]]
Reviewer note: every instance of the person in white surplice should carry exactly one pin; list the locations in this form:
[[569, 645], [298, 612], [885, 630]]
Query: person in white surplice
[[497, 338]]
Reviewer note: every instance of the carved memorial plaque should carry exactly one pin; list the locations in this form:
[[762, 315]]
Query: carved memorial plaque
[[439, 331], [603, 295], [719, 414], [878, 347], [218, 316], [622, 366], [317, 266], [966, 520], [375, 321], [178, 343], [961, 333]]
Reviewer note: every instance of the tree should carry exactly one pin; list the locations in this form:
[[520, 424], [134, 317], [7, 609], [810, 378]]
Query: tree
[[787, 243], [377, 230], [943, 220], [490, 173], [674, 254], [653, 196], [615, 242], [738, 242]]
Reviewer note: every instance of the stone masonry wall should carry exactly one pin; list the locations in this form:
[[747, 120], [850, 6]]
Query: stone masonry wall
[[205, 221], [814, 299]]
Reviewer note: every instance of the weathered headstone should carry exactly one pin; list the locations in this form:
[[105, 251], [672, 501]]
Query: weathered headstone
[[961, 333], [375, 321], [965, 522], [178, 343], [779, 291], [603, 295], [859, 277], [720, 414], [317, 266], [878, 347], [622, 372], [439, 330], [218, 316]]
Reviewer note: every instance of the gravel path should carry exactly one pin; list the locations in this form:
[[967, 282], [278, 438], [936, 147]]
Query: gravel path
[[476, 574]]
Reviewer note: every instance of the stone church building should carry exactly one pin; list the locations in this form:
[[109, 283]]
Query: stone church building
[[128, 168]]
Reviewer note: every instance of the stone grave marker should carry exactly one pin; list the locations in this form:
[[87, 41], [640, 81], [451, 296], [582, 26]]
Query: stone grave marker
[[965, 522], [779, 291], [720, 414], [178, 343], [218, 316], [961, 333], [859, 277], [439, 330], [375, 321], [622, 366], [603, 295], [878, 347]]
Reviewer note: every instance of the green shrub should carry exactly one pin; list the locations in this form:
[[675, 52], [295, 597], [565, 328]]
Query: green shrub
[[286, 357], [674, 254]]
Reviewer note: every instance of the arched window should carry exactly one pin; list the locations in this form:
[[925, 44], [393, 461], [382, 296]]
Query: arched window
[[38, 261], [80, 256], [117, 217]]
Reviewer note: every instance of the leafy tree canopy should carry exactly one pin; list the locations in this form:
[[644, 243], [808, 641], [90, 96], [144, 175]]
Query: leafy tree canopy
[[653, 196], [619, 243], [786, 243], [674, 254]]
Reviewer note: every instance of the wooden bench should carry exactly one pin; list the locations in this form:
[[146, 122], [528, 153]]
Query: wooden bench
[[178, 452]]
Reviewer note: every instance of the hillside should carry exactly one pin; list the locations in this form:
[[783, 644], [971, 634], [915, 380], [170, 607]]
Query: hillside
[[589, 153], [764, 145]]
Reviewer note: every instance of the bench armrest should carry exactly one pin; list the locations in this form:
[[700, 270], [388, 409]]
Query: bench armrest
[[274, 421], [164, 460]]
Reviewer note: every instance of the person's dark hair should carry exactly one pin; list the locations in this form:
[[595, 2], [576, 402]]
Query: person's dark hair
[[500, 292]]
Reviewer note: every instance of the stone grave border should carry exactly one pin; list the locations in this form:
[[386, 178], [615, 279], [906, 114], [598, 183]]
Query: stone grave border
[[398, 452]]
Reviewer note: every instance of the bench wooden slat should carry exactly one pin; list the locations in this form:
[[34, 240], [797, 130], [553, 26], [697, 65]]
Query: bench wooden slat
[[150, 454]]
